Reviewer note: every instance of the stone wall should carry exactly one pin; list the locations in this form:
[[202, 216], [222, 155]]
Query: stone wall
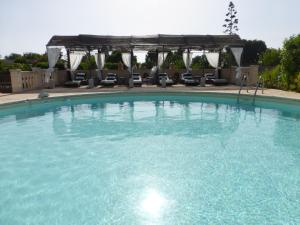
[[32, 80], [251, 72], [5, 82]]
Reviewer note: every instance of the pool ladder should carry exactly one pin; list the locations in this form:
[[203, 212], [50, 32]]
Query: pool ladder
[[259, 83], [242, 82]]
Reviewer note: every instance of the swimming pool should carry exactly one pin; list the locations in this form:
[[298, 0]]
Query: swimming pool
[[150, 159]]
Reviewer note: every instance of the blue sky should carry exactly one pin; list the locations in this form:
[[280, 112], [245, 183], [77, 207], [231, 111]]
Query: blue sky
[[27, 25]]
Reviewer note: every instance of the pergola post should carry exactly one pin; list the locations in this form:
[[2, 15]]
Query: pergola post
[[100, 70], [203, 62], [131, 62], [157, 67], [163, 51], [68, 63], [91, 80], [188, 55], [219, 63], [131, 69]]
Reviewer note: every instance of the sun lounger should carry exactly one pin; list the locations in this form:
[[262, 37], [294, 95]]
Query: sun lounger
[[166, 77], [187, 79], [137, 79], [211, 78], [110, 80], [79, 79]]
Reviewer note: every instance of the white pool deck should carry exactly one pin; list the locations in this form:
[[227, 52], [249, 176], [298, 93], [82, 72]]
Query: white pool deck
[[7, 98]]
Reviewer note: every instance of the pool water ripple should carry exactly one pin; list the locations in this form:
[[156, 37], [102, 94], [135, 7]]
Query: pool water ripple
[[149, 160]]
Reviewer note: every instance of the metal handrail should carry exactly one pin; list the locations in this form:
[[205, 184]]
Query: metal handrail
[[243, 78], [260, 81]]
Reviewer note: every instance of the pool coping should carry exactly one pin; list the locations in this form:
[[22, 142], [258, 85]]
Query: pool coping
[[221, 94]]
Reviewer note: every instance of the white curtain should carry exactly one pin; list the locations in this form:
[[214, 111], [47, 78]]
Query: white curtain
[[47, 75], [187, 59], [237, 53], [126, 58], [238, 73], [100, 60], [153, 70], [75, 60], [161, 58], [213, 59], [53, 56]]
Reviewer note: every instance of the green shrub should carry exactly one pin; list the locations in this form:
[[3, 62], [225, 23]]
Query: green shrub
[[283, 82], [271, 77], [23, 67], [60, 65], [42, 65], [297, 82], [1, 65]]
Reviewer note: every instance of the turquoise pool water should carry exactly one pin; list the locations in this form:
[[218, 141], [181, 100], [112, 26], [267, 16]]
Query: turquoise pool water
[[176, 159]]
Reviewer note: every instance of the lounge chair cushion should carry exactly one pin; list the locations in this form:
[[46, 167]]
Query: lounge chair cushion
[[73, 83], [219, 81]]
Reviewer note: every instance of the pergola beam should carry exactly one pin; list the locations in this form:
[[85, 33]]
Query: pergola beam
[[147, 43]]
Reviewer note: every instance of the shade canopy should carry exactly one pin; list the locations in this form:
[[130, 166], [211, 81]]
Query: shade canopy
[[160, 42]]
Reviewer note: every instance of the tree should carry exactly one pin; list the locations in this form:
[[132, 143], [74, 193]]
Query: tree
[[175, 59], [291, 56], [253, 49], [87, 63], [200, 62], [271, 57], [228, 59], [115, 57], [13, 56], [231, 20], [150, 60]]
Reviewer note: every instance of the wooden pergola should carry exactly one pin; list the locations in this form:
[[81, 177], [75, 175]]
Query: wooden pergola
[[160, 42], [151, 43]]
